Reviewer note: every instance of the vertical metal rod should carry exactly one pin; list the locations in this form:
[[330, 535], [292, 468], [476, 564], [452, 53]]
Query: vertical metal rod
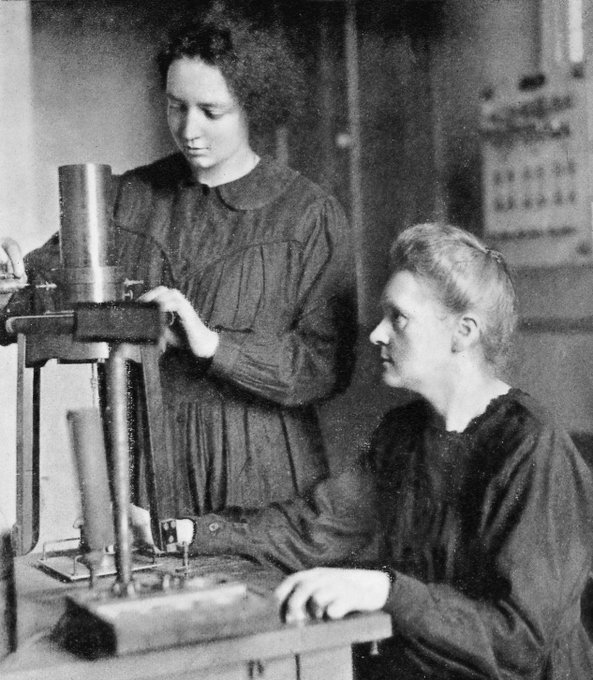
[[117, 413], [351, 47], [27, 452]]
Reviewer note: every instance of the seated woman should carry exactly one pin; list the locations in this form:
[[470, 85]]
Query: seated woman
[[483, 506]]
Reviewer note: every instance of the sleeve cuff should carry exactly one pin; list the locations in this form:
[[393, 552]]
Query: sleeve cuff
[[403, 599], [226, 355], [214, 535]]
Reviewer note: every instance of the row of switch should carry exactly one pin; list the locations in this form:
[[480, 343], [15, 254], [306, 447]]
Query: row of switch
[[558, 169], [520, 234], [536, 108], [540, 201]]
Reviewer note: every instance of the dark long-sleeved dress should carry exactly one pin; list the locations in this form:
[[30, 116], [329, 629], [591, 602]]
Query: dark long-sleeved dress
[[488, 533], [266, 261]]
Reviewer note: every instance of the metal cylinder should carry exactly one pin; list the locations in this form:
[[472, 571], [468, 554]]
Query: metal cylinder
[[85, 232], [88, 444], [87, 239], [117, 418]]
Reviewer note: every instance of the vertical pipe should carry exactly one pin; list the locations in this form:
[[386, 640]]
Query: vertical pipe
[[576, 46], [351, 47], [117, 414], [554, 32], [326, 96]]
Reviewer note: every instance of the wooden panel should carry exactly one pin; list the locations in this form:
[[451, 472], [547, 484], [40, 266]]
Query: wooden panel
[[324, 664], [287, 652], [271, 669], [323, 649]]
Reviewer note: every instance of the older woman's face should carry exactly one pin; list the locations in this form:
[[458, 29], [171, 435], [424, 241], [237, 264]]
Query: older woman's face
[[415, 335], [206, 121]]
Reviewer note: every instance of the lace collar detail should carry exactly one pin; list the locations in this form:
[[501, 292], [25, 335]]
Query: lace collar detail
[[436, 422]]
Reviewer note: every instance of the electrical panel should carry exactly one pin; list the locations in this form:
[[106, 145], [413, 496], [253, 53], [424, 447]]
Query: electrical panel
[[535, 172]]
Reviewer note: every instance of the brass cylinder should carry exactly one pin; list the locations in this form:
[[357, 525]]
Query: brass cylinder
[[85, 232], [87, 239]]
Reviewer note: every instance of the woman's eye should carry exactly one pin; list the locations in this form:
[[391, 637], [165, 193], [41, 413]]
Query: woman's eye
[[212, 115], [397, 319]]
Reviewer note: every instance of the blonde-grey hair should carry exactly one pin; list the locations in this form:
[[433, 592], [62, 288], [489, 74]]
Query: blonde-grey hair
[[465, 275]]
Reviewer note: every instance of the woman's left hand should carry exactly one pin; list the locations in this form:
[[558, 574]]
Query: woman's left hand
[[202, 341], [331, 593]]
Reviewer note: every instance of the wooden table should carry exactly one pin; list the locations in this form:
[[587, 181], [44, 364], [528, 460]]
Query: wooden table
[[313, 651]]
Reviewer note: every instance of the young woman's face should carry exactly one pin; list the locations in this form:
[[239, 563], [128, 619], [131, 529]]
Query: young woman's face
[[415, 335], [208, 124]]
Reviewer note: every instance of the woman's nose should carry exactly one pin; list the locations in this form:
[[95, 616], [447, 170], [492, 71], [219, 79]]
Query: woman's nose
[[378, 335], [192, 125]]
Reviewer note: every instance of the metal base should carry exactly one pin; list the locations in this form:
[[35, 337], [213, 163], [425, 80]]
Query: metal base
[[64, 560], [70, 569]]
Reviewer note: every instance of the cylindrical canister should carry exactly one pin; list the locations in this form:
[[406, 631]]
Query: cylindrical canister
[[87, 239], [85, 233], [88, 443]]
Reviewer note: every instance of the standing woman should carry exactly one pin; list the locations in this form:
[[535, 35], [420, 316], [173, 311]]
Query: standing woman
[[253, 260]]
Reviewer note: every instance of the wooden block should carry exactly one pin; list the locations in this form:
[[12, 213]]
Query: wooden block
[[99, 624]]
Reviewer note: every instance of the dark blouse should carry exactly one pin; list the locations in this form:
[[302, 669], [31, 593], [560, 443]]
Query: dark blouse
[[266, 261], [489, 533]]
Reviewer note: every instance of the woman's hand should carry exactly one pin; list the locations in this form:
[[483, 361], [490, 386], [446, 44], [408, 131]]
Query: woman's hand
[[140, 526], [331, 593], [201, 340], [12, 267]]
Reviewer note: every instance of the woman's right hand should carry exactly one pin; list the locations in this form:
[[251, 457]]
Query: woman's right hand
[[12, 267], [331, 593]]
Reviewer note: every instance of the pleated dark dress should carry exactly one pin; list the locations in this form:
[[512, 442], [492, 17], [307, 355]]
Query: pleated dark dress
[[488, 534], [266, 261]]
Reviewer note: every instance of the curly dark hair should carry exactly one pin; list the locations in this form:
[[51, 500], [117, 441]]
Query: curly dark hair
[[256, 62]]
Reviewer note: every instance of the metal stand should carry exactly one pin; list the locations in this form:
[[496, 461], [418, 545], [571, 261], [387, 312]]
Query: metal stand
[[41, 340], [115, 333]]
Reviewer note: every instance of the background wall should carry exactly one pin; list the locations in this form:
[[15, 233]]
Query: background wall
[[17, 190], [486, 44], [88, 92], [454, 51]]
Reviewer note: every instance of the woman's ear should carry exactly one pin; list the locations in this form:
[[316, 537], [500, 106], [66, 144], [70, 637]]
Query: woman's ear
[[466, 333]]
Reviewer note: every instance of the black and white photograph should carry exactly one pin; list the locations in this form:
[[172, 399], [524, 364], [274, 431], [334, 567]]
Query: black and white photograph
[[296, 339]]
